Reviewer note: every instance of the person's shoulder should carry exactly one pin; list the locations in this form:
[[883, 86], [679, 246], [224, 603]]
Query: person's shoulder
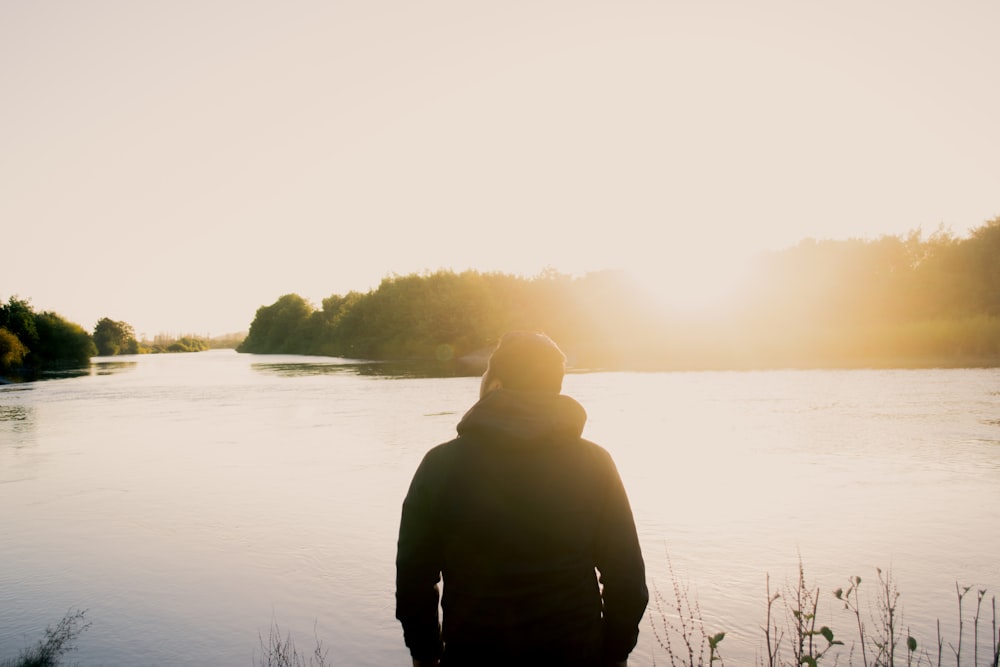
[[594, 447], [435, 466], [598, 454], [441, 451], [442, 454]]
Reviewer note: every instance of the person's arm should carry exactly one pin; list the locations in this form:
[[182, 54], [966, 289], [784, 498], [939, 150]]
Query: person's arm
[[623, 573], [418, 571]]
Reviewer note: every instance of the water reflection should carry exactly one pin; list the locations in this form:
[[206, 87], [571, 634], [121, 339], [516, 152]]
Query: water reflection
[[15, 422], [67, 372], [32, 375], [186, 487], [419, 369], [63, 373], [297, 369], [382, 369], [13, 413], [112, 367]]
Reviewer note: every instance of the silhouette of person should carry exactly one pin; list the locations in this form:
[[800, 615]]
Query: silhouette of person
[[523, 527]]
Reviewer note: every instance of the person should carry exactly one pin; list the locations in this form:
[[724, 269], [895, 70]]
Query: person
[[525, 529]]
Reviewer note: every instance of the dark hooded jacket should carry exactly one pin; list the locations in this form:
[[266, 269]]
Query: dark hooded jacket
[[514, 515]]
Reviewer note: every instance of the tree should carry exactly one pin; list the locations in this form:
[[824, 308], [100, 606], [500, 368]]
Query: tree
[[62, 342], [113, 338], [12, 351], [276, 328], [983, 257], [18, 317]]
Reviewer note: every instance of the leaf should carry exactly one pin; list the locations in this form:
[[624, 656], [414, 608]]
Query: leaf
[[839, 593], [808, 660], [827, 634], [911, 644]]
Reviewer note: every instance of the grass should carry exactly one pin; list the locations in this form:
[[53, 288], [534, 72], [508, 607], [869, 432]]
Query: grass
[[279, 651], [56, 642], [792, 634], [877, 636], [682, 635]]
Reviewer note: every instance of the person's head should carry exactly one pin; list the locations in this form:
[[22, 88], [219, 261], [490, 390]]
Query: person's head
[[525, 361]]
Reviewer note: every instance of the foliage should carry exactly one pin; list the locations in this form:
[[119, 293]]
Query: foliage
[[12, 351], [18, 317], [897, 301], [57, 642], [40, 339], [164, 343], [882, 638], [280, 327], [450, 317], [188, 344], [63, 341], [680, 634], [113, 338]]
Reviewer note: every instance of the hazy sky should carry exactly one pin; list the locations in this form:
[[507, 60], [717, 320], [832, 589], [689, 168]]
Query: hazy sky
[[177, 164]]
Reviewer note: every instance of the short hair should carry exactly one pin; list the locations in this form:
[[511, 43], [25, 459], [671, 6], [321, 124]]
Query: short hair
[[528, 361]]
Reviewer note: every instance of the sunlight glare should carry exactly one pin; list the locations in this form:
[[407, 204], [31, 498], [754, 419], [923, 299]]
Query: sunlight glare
[[697, 285]]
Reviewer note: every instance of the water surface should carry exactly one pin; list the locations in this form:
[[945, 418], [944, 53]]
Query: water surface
[[190, 501]]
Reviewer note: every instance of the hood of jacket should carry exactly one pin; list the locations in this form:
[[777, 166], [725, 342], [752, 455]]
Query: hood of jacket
[[524, 416]]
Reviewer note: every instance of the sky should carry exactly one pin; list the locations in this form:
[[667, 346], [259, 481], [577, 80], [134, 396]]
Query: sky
[[177, 165]]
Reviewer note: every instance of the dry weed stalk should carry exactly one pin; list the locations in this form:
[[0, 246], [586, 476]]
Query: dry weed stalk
[[687, 624]]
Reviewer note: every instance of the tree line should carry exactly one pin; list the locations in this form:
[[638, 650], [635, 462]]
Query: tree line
[[33, 341], [894, 301], [439, 316], [905, 300]]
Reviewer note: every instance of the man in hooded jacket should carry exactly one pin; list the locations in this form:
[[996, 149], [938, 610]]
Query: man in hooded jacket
[[527, 524]]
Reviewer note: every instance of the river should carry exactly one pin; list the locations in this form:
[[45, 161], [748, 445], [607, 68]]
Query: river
[[190, 503]]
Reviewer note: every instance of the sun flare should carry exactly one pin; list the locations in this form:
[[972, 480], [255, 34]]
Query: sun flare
[[695, 286]]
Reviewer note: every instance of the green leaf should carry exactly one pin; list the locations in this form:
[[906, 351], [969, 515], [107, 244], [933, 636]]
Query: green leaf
[[827, 634], [808, 660], [911, 644]]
